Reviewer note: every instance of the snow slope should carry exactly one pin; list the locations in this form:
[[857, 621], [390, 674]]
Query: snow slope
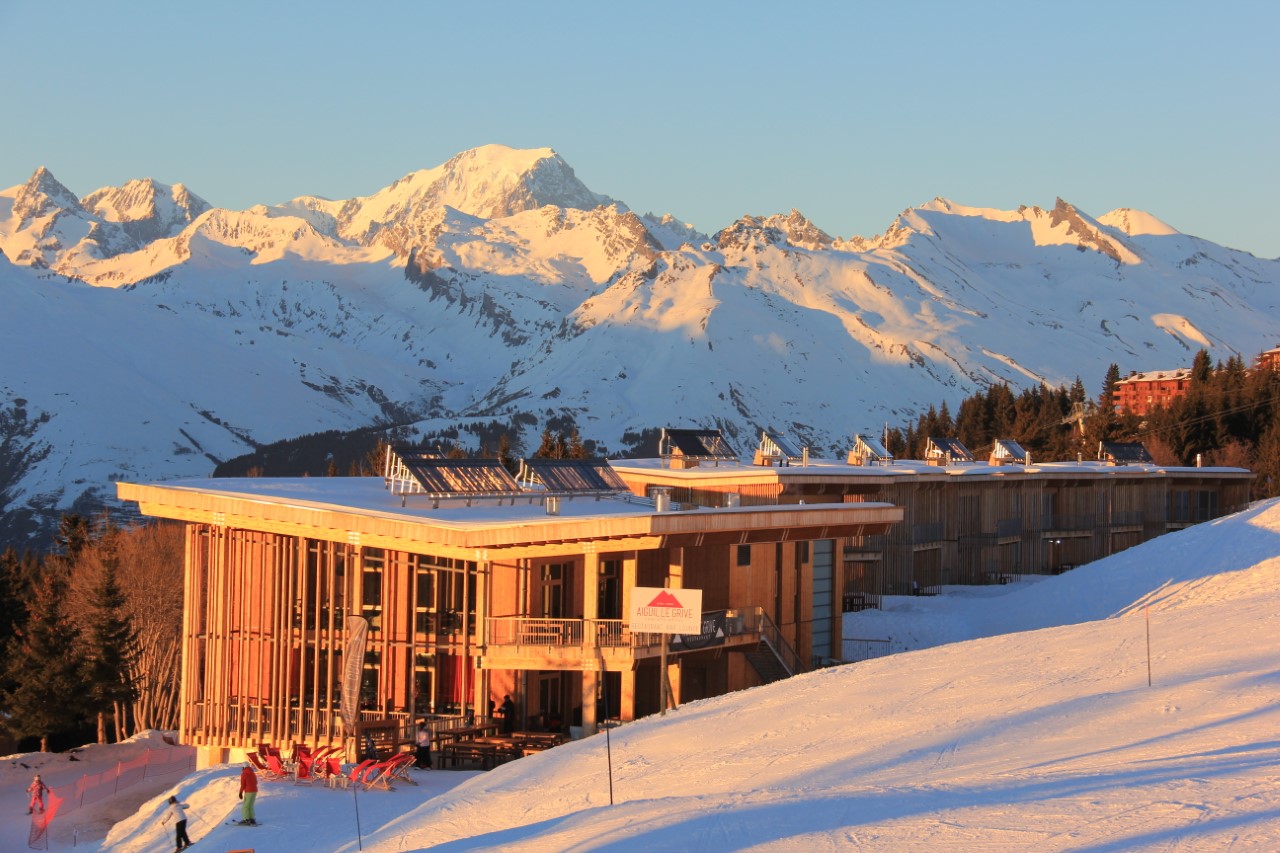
[[1048, 739]]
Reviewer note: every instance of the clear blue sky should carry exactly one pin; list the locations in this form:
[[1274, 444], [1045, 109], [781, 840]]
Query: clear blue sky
[[850, 112]]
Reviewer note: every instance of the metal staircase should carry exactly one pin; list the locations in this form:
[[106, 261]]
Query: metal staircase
[[773, 659]]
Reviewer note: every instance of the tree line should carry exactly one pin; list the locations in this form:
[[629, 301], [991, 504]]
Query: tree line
[[92, 634], [1230, 416]]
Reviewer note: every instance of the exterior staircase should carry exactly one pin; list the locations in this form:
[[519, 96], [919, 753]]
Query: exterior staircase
[[772, 658], [767, 664]]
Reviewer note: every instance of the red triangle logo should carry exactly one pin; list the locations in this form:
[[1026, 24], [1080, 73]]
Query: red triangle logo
[[665, 599]]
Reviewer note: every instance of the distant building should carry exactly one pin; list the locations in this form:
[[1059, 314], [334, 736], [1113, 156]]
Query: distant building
[[1142, 392], [1269, 360]]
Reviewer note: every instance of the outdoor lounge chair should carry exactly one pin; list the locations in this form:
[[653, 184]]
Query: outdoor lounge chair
[[302, 774], [354, 777], [382, 774], [263, 769], [276, 767], [333, 772]]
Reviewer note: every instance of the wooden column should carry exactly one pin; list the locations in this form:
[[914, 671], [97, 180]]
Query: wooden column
[[675, 580], [591, 659], [626, 709], [484, 580]]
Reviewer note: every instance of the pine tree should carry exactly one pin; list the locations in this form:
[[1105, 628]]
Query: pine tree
[[44, 669], [111, 650]]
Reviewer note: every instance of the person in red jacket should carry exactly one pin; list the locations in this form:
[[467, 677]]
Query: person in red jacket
[[248, 793]]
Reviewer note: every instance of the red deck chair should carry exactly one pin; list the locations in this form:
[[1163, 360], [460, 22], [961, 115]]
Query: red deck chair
[[382, 774], [334, 776], [353, 778], [263, 769], [276, 767], [302, 774]]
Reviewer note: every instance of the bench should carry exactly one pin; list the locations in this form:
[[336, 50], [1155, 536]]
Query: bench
[[454, 754]]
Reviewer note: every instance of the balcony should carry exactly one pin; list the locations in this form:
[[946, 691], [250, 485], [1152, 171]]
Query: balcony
[[520, 642]]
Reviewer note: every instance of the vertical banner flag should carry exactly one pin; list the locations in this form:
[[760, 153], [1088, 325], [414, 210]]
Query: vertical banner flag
[[352, 669], [666, 611]]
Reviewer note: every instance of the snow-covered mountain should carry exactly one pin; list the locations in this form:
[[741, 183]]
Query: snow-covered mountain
[[145, 335]]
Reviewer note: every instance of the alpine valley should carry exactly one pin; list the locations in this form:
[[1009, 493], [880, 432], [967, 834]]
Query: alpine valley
[[145, 335]]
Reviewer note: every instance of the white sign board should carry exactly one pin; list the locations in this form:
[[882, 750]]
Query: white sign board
[[666, 611]]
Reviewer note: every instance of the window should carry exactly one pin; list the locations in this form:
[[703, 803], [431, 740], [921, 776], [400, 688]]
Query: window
[[744, 555], [371, 588]]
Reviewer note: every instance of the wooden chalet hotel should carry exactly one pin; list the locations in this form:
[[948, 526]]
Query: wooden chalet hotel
[[475, 584]]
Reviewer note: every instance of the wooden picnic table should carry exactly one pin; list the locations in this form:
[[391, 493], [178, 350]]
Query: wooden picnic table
[[447, 736], [486, 753]]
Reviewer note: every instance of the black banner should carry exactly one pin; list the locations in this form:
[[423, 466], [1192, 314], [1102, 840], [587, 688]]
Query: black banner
[[712, 634]]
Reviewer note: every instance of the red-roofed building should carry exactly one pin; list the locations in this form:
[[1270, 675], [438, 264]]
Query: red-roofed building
[[1142, 392]]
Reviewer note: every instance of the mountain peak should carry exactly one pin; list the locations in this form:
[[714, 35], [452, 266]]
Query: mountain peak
[[1136, 223], [793, 229], [43, 194], [489, 182]]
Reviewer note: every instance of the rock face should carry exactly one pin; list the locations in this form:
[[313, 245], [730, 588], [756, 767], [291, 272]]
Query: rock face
[[497, 291]]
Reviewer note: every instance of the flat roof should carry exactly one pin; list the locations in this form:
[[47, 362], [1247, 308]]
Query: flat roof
[[832, 469], [362, 511]]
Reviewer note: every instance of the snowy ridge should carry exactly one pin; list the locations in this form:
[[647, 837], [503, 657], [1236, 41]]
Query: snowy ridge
[[496, 287]]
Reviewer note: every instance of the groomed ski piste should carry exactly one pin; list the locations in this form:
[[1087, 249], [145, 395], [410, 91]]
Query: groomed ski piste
[[1023, 720]]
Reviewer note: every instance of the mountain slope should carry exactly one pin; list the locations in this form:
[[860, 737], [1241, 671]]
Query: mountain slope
[[496, 288]]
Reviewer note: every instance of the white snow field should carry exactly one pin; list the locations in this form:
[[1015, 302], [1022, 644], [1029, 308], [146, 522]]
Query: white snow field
[[1047, 739]]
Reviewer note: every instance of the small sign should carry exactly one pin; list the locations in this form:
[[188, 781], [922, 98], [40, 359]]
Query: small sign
[[666, 611]]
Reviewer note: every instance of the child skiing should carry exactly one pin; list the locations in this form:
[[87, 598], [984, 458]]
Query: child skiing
[[37, 789], [178, 811]]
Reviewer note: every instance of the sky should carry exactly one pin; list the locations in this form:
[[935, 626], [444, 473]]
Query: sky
[[1130, 704], [849, 112]]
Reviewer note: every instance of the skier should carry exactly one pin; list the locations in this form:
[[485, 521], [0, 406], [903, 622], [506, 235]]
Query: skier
[[248, 793], [37, 789], [178, 811]]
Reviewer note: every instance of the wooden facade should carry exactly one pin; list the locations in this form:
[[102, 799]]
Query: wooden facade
[[971, 523], [467, 601]]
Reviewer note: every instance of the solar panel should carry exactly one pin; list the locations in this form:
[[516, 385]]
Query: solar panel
[[1007, 448], [773, 444], [459, 476], [951, 447], [575, 475], [696, 444], [871, 446], [1124, 451]]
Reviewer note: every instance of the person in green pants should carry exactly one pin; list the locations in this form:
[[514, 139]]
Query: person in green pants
[[248, 793]]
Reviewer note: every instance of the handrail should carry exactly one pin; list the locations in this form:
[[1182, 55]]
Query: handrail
[[773, 638], [534, 631]]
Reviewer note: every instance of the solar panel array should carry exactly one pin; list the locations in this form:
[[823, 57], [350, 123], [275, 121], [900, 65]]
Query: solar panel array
[[463, 477], [1007, 448], [773, 444], [696, 444], [952, 448], [573, 476], [872, 447], [1124, 452]]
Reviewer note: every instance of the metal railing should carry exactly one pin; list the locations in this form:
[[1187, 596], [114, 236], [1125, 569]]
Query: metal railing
[[854, 649], [772, 637], [564, 633]]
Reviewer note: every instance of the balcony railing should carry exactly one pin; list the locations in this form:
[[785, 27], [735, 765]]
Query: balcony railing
[[740, 625], [527, 631]]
